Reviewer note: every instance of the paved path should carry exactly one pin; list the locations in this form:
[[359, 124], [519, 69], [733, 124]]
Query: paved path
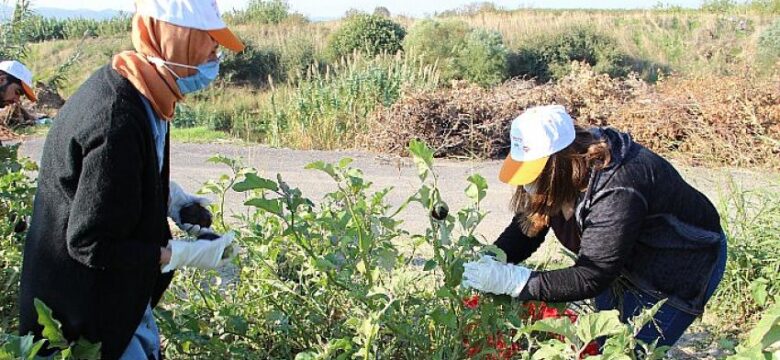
[[190, 168]]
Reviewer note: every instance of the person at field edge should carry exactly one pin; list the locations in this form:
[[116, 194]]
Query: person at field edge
[[640, 232], [99, 251], [15, 82]]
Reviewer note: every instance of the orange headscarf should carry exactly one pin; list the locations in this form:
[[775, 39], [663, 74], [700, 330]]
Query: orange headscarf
[[169, 42]]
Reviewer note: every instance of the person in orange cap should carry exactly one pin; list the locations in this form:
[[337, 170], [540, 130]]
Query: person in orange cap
[[640, 232], [99, 251], [15, 82]]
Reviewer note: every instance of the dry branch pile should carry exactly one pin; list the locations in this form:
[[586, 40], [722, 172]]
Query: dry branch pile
[[715, 121]]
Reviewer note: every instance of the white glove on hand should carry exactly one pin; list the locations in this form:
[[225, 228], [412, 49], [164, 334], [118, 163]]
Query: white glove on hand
[[489, 275], [203, 254], [178, 199]]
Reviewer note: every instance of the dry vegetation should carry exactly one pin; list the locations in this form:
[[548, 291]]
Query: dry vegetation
[[724, 120]]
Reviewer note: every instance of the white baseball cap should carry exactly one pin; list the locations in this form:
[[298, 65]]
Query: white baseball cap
[[536, 134], [195, 14], [21, 72]]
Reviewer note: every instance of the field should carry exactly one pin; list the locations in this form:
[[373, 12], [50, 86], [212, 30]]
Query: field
[[341, 275]]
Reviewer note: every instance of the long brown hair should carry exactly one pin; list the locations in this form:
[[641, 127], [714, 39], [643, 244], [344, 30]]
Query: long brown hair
[[566, 174]]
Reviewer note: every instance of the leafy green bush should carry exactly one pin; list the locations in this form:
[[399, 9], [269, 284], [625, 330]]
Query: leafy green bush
[[751, 282], [261, 12], [438, 42], [370, 34], [484, 59], [254, 65], [549, 55], [16, 197], [769, 44], [328, 280], [297, 55]]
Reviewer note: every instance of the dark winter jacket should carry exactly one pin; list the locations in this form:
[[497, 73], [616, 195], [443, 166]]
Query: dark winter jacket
[[639, 221], [100, 217]]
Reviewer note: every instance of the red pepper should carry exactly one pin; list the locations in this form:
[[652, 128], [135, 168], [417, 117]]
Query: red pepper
[[471, 302], [591, 350]]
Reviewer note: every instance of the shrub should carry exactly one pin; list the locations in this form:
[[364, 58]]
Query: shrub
[[484, 59], [549, 56], [438, 42], [254, 65], [769, 44], [297, 55], [370, 34], [16, 198], [262, 12]]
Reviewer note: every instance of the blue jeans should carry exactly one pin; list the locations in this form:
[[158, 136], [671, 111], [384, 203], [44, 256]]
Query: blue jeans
[[145, 344], [669, 323]]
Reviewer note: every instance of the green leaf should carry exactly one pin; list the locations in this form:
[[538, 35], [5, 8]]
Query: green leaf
[[444, 318], [765, 334], [343, 163], [560, 326], [758, 288], [52, 328], [477, 188], [21, 347], [273, 206], [85, 350], [497, 253], [252, 182], [324, 167], [306, 355], [594, 325], [455, 273], [429, 265], [551, 350], [423, 157], [386, 259]]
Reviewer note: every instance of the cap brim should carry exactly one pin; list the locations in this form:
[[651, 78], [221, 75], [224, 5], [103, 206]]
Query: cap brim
[[521, 173], [226, 38], [29, 92]]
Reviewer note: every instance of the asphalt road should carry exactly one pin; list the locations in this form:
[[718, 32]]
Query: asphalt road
[[189, 167]]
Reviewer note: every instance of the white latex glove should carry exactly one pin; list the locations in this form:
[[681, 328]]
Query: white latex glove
[[178, 199], [203, 254], [489, 275]]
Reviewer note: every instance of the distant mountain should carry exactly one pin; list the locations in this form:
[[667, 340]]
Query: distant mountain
[[6, 11]]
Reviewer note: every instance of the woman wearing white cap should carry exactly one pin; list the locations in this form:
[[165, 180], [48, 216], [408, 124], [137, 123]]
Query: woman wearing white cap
[[99, 251], [15, 81], [640, 232]]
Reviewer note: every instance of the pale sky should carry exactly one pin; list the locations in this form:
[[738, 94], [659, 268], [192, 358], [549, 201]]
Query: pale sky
[[336, 8]]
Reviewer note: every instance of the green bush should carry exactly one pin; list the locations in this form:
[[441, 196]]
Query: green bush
[[484, 59], [254, 65], [16, 198], [769, 44], [438, 42], [370, 34], [549, 55], [261, 12], [297, 56]]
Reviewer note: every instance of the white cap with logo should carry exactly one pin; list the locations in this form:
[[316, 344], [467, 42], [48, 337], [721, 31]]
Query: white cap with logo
[[536, 134]]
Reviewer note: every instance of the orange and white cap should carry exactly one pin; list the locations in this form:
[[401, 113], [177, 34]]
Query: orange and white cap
[[196, 14], [536, 134], [21, 72]]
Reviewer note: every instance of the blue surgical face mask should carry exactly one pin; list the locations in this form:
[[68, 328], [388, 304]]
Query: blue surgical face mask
[[205, 75]]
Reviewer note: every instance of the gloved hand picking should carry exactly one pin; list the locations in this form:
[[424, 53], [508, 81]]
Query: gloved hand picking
[[489, 275]]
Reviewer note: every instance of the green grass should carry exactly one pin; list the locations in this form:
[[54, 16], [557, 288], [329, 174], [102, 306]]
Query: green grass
[[201, 135]]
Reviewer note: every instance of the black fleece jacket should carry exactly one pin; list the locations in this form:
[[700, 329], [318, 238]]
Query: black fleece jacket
[[100, 217], [640, 221]]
